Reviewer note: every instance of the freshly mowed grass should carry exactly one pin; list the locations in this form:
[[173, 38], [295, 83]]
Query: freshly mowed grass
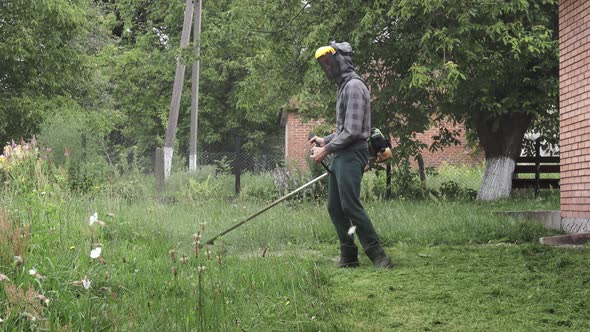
[[460, 267]]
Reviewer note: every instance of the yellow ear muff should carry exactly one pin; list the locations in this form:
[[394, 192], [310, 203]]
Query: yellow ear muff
[[323, 51]]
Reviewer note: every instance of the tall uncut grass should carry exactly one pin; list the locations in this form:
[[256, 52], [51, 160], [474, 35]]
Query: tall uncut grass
[[459, 265]]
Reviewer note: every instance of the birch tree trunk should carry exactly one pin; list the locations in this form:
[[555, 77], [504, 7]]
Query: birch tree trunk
[[501, 138], [177, 91]]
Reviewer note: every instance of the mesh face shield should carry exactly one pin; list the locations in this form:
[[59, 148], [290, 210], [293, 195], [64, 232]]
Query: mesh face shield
[[326, 56]]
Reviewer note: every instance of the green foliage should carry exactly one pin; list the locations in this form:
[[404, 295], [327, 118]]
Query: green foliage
[[78, 147], [44, 67], [427, 62], [374, 186], [259, 188], [199, 186], [453, 190], [223, 166]]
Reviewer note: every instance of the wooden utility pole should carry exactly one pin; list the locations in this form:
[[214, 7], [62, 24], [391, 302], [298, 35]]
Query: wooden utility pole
[[177, 90], [192, 159]]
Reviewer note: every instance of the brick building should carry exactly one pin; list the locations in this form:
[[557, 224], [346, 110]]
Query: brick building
[[574, 100], [297, 149], [296, 137]]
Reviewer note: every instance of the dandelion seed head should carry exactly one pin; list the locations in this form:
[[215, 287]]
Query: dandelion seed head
[[42, 298], [172, 254], [196, 237], [3, 277], [18, 260]]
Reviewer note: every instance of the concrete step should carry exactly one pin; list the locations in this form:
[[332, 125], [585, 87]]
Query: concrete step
[[561, 240]]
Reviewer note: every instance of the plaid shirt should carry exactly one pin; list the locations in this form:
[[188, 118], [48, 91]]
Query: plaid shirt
[[353, 117]]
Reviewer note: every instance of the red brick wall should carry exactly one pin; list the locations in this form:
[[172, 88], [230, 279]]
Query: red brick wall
[[296, 147], [451, 155], [296, 137], [574, 76]]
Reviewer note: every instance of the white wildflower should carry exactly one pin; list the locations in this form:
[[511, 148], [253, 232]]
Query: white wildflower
[[95, 253], [86, 282], [351, 230], [32, 272], [1, 320], [93, 218]]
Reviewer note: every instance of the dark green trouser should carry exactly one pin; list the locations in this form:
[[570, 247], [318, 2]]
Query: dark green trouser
[[345, 207]]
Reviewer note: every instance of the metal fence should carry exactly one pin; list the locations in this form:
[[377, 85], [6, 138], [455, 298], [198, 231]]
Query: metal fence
[[250, 162]]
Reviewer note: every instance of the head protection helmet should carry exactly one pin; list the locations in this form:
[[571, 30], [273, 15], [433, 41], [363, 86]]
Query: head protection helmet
[[335, 59]]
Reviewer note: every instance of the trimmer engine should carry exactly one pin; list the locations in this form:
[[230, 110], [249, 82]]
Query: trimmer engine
[[379, 146]]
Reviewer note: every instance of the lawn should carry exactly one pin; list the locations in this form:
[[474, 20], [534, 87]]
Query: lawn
[[459, 267]]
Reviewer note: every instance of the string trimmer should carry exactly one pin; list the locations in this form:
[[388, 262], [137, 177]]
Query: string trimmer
[[379, 146]]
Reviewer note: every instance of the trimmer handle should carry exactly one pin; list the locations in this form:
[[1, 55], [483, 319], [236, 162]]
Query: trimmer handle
[[309, 137], [312, 135]]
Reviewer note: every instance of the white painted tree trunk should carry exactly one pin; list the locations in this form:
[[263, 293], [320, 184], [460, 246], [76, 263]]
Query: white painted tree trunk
[[192, 158], [497, 179]]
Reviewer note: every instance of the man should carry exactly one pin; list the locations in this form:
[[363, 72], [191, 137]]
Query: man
[[350, 149]]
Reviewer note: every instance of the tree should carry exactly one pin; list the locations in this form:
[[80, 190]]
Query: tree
[[241, 88], [41, 62], [499, 66], [491, 65]]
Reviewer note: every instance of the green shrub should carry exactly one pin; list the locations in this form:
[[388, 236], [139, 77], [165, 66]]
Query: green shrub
[[374, 186], [199, 185], [468, 177], [258, 187], [133, 187], [88, 174], [77, 147], [452, 190]]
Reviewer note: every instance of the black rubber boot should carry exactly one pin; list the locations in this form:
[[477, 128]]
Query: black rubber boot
[[348, 262], [382, 261]]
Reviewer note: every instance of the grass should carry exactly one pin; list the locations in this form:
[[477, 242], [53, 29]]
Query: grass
[[460, 267]]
